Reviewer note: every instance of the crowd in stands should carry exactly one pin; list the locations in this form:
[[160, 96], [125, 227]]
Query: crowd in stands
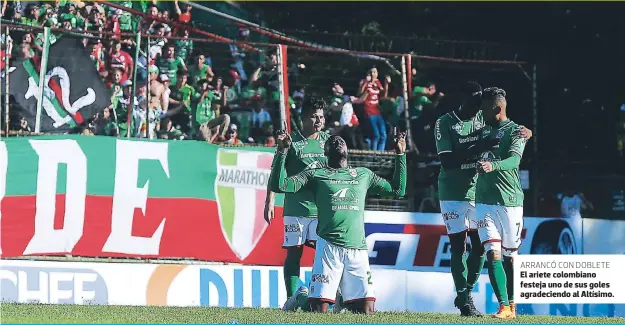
[[181, 95]]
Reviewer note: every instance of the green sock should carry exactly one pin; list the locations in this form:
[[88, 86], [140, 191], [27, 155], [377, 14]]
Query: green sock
[[292, 269], [459, 273], [509, 268], [475, 264], [302, 301], [497, 277]]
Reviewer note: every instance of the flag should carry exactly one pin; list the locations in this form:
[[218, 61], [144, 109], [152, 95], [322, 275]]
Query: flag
[[73, 90]]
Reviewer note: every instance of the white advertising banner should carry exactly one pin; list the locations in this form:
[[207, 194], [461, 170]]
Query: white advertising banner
[[236, 286]]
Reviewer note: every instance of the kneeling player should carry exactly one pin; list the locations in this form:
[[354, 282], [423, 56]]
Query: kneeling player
[[499, 198], [341, 258]]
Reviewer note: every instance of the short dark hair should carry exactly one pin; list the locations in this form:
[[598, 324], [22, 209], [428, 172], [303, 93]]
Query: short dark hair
[[312, 104], [493, 93], [471, 88], [334, 147]]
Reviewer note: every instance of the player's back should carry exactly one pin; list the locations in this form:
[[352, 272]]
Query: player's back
[[340, 195], [501, 187]]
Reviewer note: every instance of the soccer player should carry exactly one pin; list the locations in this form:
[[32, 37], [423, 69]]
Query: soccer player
[[300, 211], [499, 197], [341, 257], [456, 136]]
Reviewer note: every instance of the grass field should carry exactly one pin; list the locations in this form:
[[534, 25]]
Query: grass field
[[33, 313]]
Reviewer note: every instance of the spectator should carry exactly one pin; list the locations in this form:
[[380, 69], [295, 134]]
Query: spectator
[[259, 117], [180, 97], [573, 203], [169, 64], [238, 55], [209, 122], [370, 89], [423, 115], [232, 137], [200, 71], [31, 15], [184, 47], [119, 59], [184, 16]]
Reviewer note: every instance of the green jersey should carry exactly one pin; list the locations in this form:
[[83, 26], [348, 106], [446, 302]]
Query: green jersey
[[184, 94], [197, 73], [170, 66], [204, 111], [304, 154], [453, 134], [502, 186], [340, 194], [183, 48]]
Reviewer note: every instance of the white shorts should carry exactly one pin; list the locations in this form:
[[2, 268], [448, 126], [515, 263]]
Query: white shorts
[[459, 216], [499, 224], [299, 231], [338, 267]]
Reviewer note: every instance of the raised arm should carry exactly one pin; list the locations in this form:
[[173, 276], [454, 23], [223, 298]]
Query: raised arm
[[397, 187], [280, 183]]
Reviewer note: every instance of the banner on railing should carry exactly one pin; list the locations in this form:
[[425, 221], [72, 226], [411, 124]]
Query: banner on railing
[[100, 196], [73, 91], [105, 197]]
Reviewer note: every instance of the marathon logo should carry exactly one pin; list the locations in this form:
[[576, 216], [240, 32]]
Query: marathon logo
[[255, 178], [320, 278]]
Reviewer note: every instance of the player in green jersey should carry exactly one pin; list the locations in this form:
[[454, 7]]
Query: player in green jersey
[[499, 197], [340, 191], [456, 136], [300, 211]]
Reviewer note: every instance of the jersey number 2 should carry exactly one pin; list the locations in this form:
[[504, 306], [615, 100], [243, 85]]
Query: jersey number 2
[[369, 278]]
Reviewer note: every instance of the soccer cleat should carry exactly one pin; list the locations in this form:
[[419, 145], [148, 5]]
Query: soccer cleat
[[513, 309], [476, 312], [291, 303], [504, 312]]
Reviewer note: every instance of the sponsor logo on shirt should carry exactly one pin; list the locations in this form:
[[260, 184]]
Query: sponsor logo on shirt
[[468, 139], [353, 172], [344, 182], [344, 195]]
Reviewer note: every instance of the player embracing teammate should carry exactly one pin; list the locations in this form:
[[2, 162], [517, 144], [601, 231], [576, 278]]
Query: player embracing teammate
[[460, 140]]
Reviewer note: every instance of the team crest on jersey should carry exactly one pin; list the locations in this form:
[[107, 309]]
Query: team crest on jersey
[[353, 172], [500, 134], [457, 127]]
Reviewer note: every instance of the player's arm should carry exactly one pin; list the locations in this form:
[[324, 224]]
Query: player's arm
[[513, 161], [280, 183], [453, 158], [397, 187]]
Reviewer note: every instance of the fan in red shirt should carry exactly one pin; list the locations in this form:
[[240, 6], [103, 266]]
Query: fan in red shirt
[[371, 88], [183, 16], [121, 60]]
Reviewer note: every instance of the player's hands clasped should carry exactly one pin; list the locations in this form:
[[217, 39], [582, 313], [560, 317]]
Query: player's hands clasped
[[400, 141], [484, 167]]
